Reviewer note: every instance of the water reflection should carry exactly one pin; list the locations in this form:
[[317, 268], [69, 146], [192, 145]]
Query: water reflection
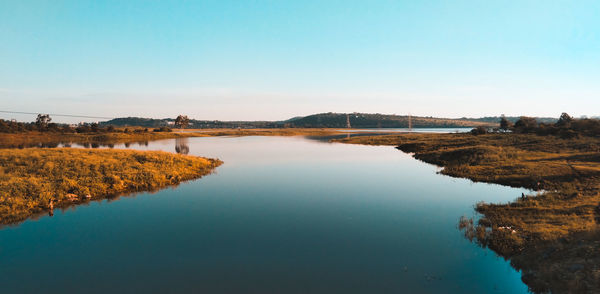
[[283, 215], [84, 144], [182, 146], [564, 265]]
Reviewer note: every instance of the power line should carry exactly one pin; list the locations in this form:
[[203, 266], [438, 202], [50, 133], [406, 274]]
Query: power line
[[54, 114]]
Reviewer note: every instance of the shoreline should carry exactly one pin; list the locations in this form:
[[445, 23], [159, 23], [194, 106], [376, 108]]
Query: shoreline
[[563, 218], [43, 139], [136, 134], [35, 180], [553, 234]]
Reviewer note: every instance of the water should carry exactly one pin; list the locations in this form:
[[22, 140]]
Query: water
[[407, 130], [281, 215]]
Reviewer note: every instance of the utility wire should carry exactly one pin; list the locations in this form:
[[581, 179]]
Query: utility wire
[[54, 114]]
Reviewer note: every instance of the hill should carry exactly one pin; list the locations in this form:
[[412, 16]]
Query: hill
[[321, 120], [367, 120]]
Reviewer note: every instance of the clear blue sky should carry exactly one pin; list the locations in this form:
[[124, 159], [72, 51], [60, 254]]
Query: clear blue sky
[[278, 59]]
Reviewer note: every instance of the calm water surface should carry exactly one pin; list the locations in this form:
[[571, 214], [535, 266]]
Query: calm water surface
[[407, 130], [281, 215]]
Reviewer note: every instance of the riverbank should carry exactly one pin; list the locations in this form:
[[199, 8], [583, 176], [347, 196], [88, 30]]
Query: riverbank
[[136, 135], [551, 236], [35, 180], [53, 139]]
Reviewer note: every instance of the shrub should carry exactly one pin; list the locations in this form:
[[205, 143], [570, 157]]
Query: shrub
[[480, 130]]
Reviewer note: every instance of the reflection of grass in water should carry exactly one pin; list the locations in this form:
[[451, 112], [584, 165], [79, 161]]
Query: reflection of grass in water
[[53, 139], [473, 233], [563, 217], [569, 264], [568, 168], [32, 180]]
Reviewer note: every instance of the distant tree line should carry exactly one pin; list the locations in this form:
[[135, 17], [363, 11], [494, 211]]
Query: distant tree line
[[321, 120], [565, 127], [183, 121], [43, 123]]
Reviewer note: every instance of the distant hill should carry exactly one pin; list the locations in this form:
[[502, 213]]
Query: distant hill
[[137, 122], [367, 120], [513, 119], [198, 124], [321, 120]]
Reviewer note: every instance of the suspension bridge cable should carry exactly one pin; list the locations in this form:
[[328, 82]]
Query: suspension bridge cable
[[55, 114]]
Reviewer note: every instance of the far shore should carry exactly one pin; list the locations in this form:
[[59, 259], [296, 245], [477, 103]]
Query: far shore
[[138, 134], [36, 138]]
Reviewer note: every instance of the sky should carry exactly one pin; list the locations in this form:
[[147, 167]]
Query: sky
[[272, 60]]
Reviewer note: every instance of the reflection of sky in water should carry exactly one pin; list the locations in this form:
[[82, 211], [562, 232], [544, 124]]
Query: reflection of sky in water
[[283, 214]]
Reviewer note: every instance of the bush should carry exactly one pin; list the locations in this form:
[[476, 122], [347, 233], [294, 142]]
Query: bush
[[163, 129], [480, 130], [525, 125]]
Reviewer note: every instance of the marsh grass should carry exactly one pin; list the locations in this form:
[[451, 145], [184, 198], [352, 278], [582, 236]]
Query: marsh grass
[[30, 178], [552, 237], [53, 139], [569, 169]]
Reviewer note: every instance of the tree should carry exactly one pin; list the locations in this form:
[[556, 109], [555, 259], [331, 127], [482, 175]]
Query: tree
[[94, 127], [564, 120], [182, 121], [505, 124], [42, 121], [526, 124], [480, 130]]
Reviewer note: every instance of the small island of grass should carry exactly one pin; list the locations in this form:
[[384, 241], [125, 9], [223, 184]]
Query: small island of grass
[[35, 180]]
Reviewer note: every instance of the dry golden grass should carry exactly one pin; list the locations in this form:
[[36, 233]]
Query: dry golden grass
[[569, 168], [30, 178], [34, 138], [552, 237]]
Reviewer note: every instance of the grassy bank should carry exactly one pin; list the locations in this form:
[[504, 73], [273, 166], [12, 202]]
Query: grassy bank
[[568, 170], [52, 139], [32, 180], [552, 236], [35, 138]]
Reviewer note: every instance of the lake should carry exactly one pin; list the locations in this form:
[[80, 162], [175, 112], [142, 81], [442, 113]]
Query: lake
[[281, 215]]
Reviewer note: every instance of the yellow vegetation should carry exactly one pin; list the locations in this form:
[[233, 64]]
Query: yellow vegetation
[[551, 237], [31, 178], [35, 139], [569, 169]]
